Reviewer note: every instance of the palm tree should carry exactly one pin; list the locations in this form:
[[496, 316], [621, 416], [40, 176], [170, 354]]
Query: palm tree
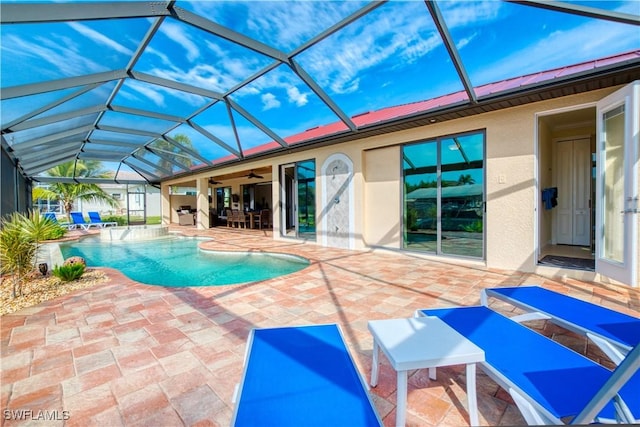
[[466, 179], [174, 152], [68, 193]]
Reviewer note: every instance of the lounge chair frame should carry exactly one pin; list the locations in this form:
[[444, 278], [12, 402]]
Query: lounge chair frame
[[533, 411], [51, 216], [78, 220], [529, 300], [94, 218]]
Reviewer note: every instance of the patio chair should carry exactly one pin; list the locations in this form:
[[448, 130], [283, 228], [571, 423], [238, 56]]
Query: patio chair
[[549, 383], [229, 214], [615, 333], [78, 220], [51, 216], [301, 376], [186, 217], [94, 218], [240, 218], [263, 218]]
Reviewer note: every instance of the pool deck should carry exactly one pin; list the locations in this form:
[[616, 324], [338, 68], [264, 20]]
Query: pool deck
[[124, 353]]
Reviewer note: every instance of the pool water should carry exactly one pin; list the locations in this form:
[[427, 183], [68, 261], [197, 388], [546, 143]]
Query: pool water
[[178, 262]]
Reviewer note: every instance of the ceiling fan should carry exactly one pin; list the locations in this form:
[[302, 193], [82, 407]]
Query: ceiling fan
[[254, 175], [212, 181]]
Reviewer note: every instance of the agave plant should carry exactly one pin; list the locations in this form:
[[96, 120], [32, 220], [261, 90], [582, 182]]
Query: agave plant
[[20, 237]]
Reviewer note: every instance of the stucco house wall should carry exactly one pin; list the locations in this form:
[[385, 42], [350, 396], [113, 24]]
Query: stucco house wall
[[511, 177]]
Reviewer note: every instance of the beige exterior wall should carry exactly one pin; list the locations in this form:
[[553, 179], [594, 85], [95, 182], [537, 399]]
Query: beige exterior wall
[[177, 200], [383, 197], [512, 195]]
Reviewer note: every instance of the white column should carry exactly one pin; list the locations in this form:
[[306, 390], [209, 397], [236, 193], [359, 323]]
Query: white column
[[202, 203]]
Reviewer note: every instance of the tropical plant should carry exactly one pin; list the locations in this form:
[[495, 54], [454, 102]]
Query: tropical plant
[[67, 193], [70, 272], [20, 237], [474, 227], [120, 220], [57, 233], [40, 228], [466, 179], [412, 219], [168, 149]]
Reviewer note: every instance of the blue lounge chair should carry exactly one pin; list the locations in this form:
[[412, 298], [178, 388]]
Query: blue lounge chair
[[301, 376], [51, 216], [94, 217], [549, 383], [78, 220], [615, 333]]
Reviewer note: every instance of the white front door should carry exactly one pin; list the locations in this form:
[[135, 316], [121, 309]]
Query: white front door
[[573, 214], [618, 117]]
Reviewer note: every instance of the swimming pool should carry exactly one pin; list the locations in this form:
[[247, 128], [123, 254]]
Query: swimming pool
[[178, 262]]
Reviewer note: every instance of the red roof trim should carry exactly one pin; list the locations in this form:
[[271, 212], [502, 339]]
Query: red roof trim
[[405, 110]]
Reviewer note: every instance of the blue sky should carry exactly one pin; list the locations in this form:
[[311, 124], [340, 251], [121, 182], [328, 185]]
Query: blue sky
[[391, 56]]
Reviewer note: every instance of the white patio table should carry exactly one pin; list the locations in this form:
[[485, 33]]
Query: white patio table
[[423, 342]]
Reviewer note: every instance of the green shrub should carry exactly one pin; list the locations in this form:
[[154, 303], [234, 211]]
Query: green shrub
[[55, 233], [474, 227], [67, 273], [121, 220]]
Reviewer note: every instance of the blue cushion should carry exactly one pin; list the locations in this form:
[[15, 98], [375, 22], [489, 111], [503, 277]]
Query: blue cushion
[[559, 379], [605, 322], [302, 376]]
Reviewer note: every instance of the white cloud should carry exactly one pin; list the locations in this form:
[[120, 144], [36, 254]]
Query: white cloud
[[296, 97], [163, 57], [177, 34], [202, 75], [269, 101], [99, 38], [161, 96], [61, 53], [465, 13], [397, 36], [291, 23], [217, 69], [463, 42], [148, 92]]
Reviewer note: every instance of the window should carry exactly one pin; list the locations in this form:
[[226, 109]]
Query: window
[[116, 196], [223, 200], [444, 195]]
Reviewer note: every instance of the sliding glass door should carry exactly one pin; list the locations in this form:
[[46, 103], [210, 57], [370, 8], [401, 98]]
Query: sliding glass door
[[444, 195], [298, 196]]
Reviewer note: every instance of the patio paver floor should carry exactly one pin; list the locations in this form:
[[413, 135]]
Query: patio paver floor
[[124, 353]]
